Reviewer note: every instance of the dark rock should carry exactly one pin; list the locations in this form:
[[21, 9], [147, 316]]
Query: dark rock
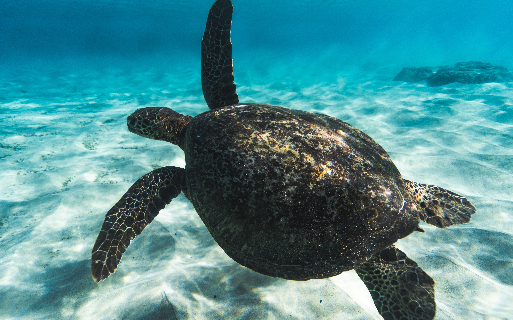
[[473, 72], [414, 74]]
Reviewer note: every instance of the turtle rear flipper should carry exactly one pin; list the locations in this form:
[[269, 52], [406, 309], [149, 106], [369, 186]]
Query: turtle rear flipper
[[439, 207], [216, 57], [133, 212], [399, 287]]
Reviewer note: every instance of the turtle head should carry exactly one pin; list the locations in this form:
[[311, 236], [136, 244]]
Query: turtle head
[[158, 123]]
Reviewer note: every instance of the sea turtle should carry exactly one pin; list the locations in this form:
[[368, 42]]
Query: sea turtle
[[287, 193]]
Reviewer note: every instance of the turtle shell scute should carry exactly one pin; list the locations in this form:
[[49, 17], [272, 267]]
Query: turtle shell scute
[[293, 194]]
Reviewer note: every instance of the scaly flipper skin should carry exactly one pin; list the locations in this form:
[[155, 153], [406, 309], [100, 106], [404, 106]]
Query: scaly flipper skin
[[133, 212], [216, 57], [439, 207], [401, 290]]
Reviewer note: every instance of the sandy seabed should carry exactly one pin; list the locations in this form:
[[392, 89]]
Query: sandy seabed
[[66, 157]]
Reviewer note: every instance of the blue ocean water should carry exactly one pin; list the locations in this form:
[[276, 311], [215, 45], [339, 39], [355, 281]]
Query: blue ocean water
[[71, 71]]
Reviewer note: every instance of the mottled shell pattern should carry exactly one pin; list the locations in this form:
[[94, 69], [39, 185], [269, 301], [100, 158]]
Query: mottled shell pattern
[[278, 187]]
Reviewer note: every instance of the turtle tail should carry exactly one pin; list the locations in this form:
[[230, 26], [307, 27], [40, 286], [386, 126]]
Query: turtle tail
[[439, 207]]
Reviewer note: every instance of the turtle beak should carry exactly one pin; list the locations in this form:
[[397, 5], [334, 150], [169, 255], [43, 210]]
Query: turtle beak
[[144, 122]]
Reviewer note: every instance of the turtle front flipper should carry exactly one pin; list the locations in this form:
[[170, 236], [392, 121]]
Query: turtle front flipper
[[399, 287], [216, 57], [133, 212], [439, 207]]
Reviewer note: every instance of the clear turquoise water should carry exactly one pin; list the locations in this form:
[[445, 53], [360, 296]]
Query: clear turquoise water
[[70, 73]]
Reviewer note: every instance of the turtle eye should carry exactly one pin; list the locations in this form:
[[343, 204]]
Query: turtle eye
[[140, 126], [146, 123]]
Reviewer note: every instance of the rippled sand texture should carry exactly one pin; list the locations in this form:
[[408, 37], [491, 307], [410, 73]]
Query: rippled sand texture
[[66, 157]]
